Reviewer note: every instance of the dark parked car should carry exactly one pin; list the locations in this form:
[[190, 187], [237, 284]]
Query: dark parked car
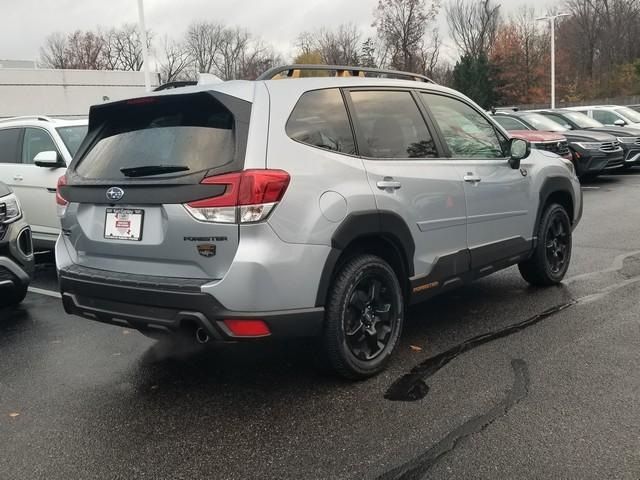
[[628, 137], [16, 251], [593, 152]]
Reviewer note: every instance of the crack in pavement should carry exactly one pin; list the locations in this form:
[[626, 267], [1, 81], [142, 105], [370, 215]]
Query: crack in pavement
[[411, 386], [416, 468]]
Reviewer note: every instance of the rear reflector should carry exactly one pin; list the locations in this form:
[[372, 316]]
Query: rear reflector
[[249, 196], [247, 328]]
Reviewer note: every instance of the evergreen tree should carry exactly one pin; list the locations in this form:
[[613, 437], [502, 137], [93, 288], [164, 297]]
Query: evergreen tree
[[476, 78]]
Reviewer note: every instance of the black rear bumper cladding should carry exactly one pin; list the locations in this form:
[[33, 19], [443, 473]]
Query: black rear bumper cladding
[[165, 311]]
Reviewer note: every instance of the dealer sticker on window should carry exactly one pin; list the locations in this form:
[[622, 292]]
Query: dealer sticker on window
[[123, 224]]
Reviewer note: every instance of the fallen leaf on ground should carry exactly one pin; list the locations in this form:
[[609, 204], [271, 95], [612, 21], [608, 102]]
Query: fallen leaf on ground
[[415, 348], [126, 332], [14, 414]]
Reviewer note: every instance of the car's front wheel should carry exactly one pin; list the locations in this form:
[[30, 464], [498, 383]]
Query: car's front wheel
[[13, 297], [364, 316], [550, 260]]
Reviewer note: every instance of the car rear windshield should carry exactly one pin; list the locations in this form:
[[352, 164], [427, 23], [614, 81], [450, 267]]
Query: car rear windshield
[[161, 137], [72, 137]]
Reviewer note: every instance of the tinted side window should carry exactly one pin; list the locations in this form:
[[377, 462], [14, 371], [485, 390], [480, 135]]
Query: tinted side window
[[391, 125], [510, 123], [605, 117], [320, 119], [36, 141], [467, 133], [9, 145]]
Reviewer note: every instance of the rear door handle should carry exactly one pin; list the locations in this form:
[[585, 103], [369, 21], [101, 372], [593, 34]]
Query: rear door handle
[[388, 184], [18, 178], [471, 178]]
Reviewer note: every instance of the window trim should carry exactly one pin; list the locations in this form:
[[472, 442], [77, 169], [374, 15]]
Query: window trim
[[427, 121], [24, 134], [349, 119], [496, 128], [21, 129]]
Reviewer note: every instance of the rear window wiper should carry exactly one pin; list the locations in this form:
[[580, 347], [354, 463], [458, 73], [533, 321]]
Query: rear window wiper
[[149, 170]]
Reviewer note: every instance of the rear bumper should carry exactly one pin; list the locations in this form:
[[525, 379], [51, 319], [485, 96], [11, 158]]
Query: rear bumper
[[166, 305]]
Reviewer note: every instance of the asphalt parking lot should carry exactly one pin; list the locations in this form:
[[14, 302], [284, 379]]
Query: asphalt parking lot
[[496, 380]]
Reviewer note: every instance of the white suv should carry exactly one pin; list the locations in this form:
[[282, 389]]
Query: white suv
[[612, 115], [34, 152]]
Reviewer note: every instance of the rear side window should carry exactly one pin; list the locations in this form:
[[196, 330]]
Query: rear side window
[[391, 125], [162, 137], [10, 145], [320, 119], [510, 123]]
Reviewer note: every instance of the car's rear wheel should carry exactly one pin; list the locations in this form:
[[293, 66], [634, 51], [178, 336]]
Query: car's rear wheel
[[364, 317], [550, 260], [13, 297]]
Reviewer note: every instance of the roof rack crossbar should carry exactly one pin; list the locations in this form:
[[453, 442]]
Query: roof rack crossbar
[[340, 70], [43, 118]]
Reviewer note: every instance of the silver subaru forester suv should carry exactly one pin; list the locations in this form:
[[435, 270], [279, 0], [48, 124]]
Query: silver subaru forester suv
[[299, 205]]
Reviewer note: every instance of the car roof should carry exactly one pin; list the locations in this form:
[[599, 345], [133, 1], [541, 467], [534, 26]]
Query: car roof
[[245, 89], [41, 121]]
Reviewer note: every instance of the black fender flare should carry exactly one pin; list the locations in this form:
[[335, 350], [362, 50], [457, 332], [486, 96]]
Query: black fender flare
[[361, 224], [550, 186]]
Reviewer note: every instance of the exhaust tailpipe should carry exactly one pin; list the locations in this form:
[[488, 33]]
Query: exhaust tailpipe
[[202, 336]]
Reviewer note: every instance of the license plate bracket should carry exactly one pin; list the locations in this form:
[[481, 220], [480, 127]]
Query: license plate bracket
[[123, 224]]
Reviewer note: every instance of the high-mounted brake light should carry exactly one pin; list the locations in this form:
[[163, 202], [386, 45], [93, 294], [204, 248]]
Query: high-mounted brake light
[[249, 196], [142, 101]]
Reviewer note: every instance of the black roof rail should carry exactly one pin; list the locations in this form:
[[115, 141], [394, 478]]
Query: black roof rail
[[175, 84], [340, 70]]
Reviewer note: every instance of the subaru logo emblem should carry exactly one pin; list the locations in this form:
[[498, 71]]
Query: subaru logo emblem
[[115, 193]]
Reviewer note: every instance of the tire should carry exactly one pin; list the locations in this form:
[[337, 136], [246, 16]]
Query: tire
[[550, 260], [363, 319], [15, 297]]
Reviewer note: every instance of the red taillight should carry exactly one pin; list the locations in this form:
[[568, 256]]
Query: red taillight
[[142, 101], [60, 200], [249, 196], [247, 328]]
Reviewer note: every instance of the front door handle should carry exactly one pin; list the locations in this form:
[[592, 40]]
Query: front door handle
[[388, 184], [471, 178], [18, 178]]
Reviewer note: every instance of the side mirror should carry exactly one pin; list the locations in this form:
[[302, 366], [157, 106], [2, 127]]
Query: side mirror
[[48, 159], [567, 126], [619, 123], [518, 150]]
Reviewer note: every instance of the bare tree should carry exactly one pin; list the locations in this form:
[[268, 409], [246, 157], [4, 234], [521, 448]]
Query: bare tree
[[334, 47], [54, 52], [84, 50], [473, 25], [204, 41], [402, 27], [175, 61]]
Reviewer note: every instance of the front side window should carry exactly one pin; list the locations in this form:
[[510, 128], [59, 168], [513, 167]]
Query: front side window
[[606, 117], [35, 141], [10, 145], [320, 119], [72, 137], [391, 125], [468, 134]]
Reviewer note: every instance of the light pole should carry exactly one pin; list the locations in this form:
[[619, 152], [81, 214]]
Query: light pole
[[145, 53], [552, 21]]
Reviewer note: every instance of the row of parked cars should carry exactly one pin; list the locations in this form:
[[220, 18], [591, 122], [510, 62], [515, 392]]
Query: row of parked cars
[[596, 139], [278, 208]]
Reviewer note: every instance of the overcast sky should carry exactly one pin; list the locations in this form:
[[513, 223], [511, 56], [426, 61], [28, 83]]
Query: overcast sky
[[24, 24]]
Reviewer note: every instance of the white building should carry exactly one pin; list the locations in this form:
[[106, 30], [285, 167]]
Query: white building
[[63, 93]]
